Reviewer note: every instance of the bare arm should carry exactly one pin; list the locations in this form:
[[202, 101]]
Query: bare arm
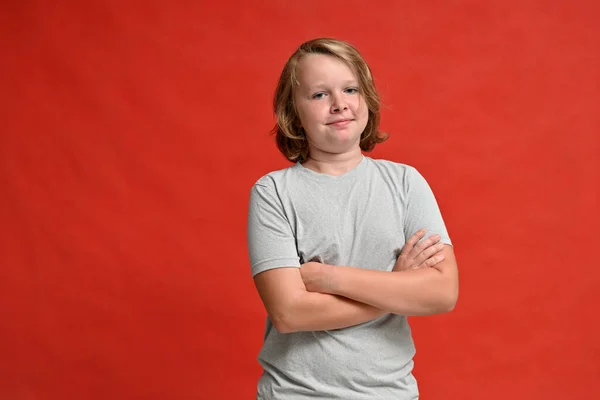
[[421, 291], [292, 308]]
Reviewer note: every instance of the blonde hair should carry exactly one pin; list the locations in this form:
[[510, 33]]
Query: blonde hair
[[289, 135]]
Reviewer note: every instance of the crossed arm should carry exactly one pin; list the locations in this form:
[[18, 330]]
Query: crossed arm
[[322, 297]]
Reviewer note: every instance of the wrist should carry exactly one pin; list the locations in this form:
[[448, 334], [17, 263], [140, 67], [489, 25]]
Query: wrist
[[330, 274]]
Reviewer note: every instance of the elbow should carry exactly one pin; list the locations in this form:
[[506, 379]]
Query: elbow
[[447, 307], [448, 296], [283, 329], [442, 305], [286, 318], [444, 302], [448, 301], [283, 324]]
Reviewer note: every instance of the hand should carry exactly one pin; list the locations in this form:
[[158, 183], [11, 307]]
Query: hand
[[424, 254], [316, 278]]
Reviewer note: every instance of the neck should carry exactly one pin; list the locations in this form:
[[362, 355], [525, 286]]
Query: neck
[[333, 164]]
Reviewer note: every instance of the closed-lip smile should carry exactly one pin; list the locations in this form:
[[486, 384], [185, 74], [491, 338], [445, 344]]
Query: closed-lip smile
[[338, 122]]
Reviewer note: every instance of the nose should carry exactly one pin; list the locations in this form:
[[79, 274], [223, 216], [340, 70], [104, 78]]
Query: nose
[[338, 104]]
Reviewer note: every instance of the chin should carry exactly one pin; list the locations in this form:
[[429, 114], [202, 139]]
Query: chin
[[347, 137], [344, 145]]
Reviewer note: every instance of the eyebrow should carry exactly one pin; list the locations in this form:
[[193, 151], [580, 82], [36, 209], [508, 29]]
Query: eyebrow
[[320, 85]]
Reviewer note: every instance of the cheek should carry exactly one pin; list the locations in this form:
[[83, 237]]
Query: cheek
[[303, 115], [313, 113], [361, 110], [358, 104], [362, 114]]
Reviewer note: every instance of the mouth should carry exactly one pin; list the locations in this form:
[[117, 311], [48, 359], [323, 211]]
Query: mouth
[[340, 122]]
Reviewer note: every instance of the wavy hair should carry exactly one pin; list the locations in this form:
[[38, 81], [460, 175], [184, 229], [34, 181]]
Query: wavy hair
[[289, 135]]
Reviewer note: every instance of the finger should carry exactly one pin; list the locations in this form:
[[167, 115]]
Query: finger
[[424, 244], [430, 262], [412, 241], [402, 264], [429, 252]]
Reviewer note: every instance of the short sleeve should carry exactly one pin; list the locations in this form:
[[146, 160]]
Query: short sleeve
[[271, 242], [422, 210]]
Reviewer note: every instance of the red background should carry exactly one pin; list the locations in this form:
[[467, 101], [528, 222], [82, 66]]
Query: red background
[[132, 133]]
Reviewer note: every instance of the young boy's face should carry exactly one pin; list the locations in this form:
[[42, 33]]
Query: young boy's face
[[329, 102]]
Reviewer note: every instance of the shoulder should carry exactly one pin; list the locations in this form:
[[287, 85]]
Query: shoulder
[[406, 179], [274, 179], [397, 171], [388, 164]]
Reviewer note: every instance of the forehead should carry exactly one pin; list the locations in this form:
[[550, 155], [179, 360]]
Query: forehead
[[322, 69]]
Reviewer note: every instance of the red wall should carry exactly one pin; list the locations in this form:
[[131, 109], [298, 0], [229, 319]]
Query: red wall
[[131, 135]]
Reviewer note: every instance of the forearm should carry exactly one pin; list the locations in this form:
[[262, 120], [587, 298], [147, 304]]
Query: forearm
[[422, 291], [318, 311]]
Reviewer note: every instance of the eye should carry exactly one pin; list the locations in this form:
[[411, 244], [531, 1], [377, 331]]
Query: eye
[[352, 90], [318, 96]]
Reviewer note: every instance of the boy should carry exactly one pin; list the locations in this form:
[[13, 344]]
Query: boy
[[335, 241]]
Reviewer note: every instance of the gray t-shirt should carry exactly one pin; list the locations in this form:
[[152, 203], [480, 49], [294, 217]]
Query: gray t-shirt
[[361, 219]]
